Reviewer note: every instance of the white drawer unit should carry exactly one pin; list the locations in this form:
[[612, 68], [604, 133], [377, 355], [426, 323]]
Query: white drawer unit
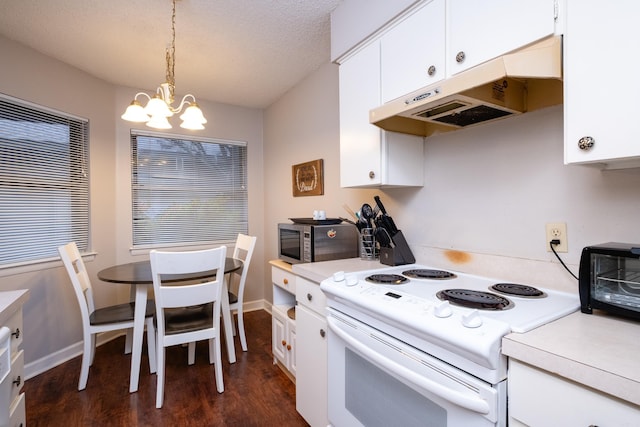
[[12, 399], [283, 324]]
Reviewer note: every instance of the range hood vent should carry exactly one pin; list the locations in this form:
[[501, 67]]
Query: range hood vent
[[524, 80]]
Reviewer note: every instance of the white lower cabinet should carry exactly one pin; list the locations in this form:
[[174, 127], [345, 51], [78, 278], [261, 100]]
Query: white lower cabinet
[[311, 369], [12, 398], [539, 398], [300, 344], [283, 327]]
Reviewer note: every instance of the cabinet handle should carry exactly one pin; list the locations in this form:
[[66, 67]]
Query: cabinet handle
[[431, 71], [309, 297], [16, 333], [17, 381], [322, 333], [284, 343], [460, 57], [285, 281], [586, 142], [289, 347], [372, 174]]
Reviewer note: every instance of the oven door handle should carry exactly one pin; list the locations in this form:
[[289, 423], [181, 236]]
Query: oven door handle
[[478, 405]]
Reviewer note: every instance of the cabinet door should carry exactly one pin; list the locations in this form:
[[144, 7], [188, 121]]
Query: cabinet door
[[413, 52], [483, 30], [279, 335], [600, 81], [292, 360], [360, 140], [564, 403], [311, 369]]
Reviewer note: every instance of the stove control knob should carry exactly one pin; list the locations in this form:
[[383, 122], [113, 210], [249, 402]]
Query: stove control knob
[[442, 310], [338, 276], [352, 280], [472, 320]]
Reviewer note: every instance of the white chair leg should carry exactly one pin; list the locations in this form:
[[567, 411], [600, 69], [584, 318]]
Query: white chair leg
[[92, 353], [233, 325], [86, 362], [151, 345], [192, 353], [243, 338], [160, 377], [128, 340], [218, 363]]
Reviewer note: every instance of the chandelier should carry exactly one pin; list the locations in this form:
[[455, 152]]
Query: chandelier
[[159, 108]]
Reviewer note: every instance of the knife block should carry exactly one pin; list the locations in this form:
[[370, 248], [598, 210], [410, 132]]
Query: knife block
[[400, 254]]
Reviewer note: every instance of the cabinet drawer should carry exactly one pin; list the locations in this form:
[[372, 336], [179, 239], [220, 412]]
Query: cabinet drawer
[[17, 415], [16, 377], [309, 294], [284, 279], [15, 325]]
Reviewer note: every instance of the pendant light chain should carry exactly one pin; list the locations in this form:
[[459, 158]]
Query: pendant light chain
[[171, 55]]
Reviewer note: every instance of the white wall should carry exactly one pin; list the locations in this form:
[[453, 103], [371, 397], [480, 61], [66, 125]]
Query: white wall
[[303, 126], [489, 191]]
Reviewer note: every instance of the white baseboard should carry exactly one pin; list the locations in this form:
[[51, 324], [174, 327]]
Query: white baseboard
[[52, 360]]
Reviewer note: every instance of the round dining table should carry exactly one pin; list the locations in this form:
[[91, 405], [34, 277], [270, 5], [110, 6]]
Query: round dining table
[[138, 275]]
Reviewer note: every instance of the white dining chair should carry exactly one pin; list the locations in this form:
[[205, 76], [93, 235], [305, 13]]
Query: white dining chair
[[98, 320], [243, 251], [188, 312]]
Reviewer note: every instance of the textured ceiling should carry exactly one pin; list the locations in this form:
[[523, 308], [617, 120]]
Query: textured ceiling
[[240, 52]]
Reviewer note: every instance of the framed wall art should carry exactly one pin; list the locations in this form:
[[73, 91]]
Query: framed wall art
[[308, 178]]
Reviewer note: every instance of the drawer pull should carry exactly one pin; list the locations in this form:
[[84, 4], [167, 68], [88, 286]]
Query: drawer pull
[[284, 343], [289, 347], [16, 333], [322, 333], [285, 281], [309, 297]]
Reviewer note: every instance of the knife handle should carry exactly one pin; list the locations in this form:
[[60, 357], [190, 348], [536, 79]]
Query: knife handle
[[380, 205]]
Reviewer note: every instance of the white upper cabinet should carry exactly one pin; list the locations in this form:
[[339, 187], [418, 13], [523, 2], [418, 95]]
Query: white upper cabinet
[[601, 83], [369, 156], [481, 30], [413, 52]]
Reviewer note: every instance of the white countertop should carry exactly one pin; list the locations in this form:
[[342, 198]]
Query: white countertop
[[9, 303], [596, 350], [318, 271]]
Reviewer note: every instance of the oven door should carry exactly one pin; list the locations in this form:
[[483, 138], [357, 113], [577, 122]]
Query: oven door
[[376, 380]]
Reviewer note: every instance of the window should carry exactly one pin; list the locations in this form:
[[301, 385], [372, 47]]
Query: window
[[186, 190], [44, 182]]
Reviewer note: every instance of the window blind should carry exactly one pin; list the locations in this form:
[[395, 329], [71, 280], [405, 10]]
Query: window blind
[[44, 182], [186, 190]]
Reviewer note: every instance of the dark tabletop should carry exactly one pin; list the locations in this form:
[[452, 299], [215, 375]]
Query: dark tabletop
[[139, 273]]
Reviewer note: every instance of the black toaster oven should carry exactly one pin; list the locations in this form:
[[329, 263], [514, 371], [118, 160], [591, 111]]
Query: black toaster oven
[[609, 279]]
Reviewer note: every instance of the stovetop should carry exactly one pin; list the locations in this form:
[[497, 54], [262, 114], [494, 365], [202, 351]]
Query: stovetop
[[412, 310], [403, 291]]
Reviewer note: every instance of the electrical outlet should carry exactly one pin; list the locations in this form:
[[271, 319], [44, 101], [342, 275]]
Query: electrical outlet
[[557, 231]]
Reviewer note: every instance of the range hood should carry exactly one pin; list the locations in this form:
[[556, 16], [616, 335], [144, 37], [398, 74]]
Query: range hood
[[521, 81]]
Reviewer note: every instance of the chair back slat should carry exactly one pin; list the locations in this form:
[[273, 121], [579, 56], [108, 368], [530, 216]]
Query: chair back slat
[[79, 277], [172, 294]]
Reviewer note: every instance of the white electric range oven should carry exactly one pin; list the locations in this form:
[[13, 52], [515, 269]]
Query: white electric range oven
[[415, 346]]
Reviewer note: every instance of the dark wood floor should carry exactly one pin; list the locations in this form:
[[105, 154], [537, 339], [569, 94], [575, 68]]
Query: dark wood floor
[[257, 393]]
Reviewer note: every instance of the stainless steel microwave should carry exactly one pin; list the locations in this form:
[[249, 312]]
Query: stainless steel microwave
[[610, 279], [298, 243]]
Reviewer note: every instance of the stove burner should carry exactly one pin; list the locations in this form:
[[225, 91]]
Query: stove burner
[[475, 299], [387, 279], [424, 273], [518, 290]]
